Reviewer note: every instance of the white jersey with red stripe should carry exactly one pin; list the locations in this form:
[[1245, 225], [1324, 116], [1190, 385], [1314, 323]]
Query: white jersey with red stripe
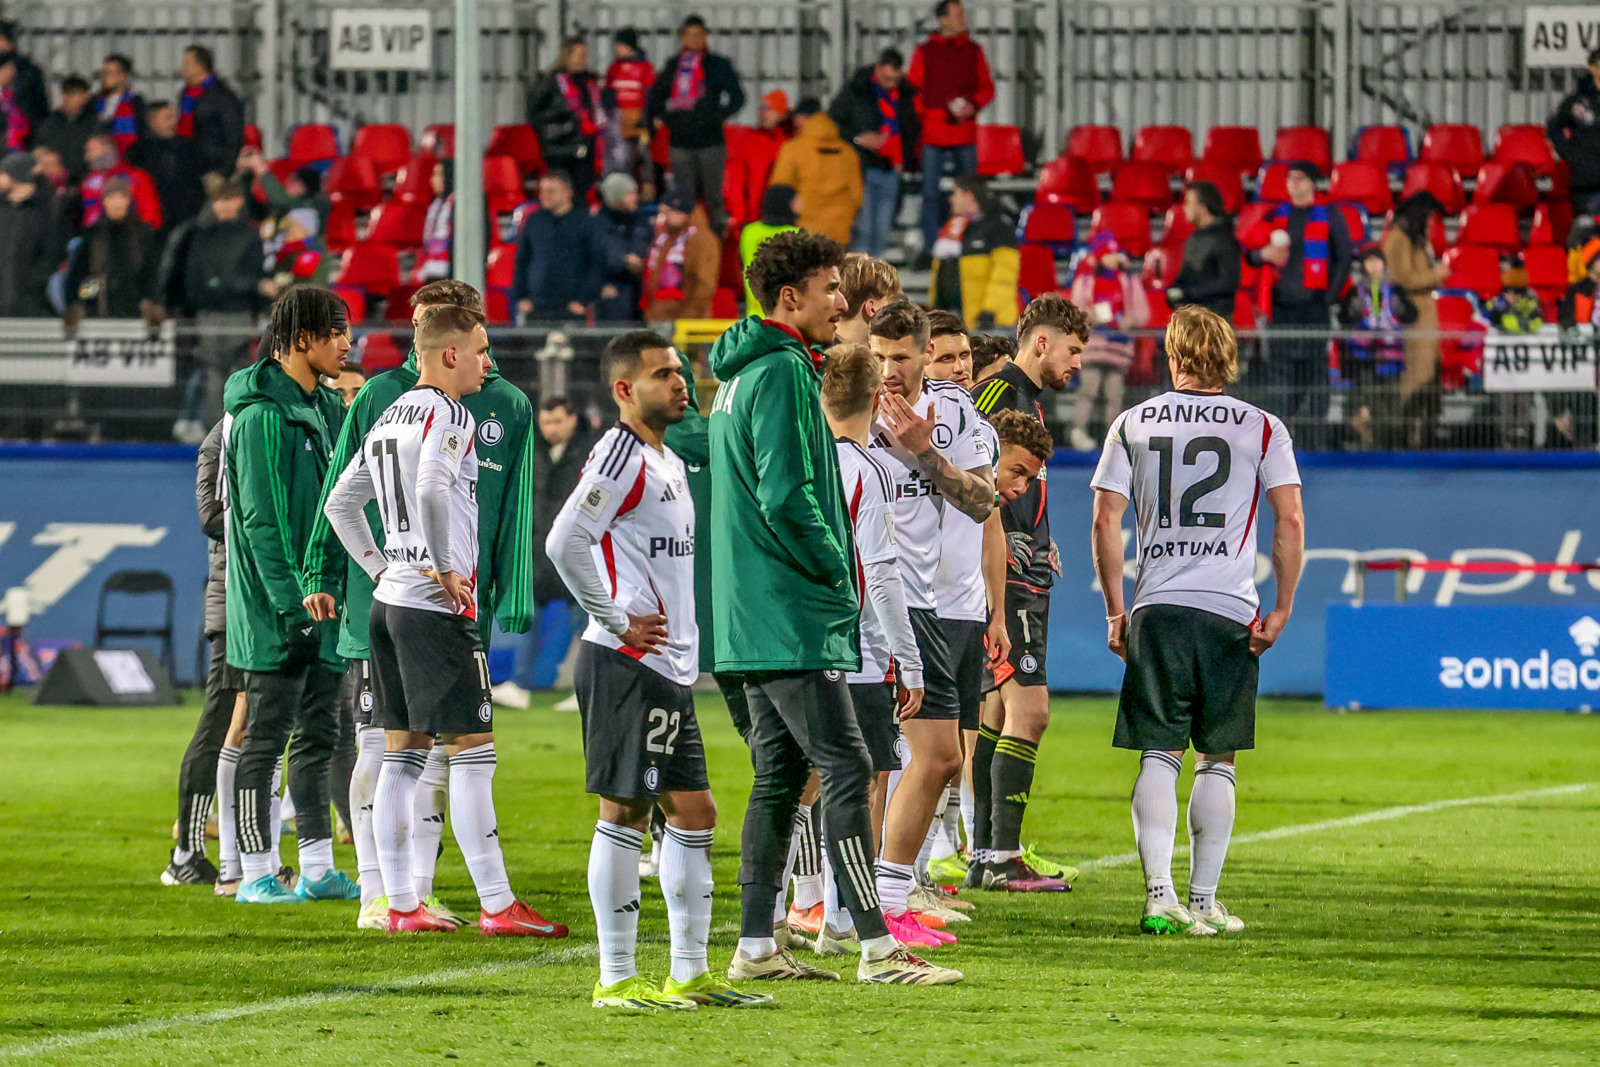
[[958, 584], [1194, 465], [869, 494], [634, 501], [423, 434]]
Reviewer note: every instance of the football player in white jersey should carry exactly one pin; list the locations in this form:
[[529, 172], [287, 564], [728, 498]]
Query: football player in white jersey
[[1195, 462], [624, 543], [429, 670], [889, 686], [929, 435]]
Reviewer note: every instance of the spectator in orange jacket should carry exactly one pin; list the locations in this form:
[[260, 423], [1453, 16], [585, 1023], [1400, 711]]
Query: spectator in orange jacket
[[680, 274], [951, 76], [824, 170], [750, 165]]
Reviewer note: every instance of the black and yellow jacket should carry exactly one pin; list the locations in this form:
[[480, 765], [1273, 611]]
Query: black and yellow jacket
[[982, 285]]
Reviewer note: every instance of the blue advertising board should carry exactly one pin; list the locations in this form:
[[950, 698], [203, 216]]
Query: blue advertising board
[[1421, 656], [71, 516]]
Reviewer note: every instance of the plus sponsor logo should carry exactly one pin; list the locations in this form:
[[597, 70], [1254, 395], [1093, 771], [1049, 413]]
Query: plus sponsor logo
[[1560, 670], [672, 547]]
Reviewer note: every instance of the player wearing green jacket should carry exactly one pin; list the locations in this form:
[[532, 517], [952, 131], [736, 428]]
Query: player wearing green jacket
[[505, 568], [787, 609], [277, 438]]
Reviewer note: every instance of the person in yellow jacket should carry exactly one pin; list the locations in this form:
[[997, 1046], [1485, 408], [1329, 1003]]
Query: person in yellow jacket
[[824, 170], [975, 259]]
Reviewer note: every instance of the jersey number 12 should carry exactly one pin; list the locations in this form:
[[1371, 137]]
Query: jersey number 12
[[1187, 515]]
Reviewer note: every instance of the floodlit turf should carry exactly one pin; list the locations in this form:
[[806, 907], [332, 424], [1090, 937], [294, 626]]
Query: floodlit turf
[[1464, 935]]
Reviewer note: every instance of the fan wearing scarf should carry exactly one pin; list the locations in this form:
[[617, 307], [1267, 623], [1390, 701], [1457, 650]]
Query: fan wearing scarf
[[1305, 253], [210, 115], [695, 93], [1103, 285], [680, 273], [566, 111]]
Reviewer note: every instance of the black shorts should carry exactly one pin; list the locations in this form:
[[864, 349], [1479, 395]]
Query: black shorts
[[429, 672], [965, 638], [1028, 623], [355, 691], [640, 734], [940, 698], [876, 713], [1191, 677]]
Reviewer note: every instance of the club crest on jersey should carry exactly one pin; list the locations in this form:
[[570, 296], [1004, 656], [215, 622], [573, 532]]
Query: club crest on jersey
[[594, 501], [652, 778], [1028, 664], [942, 436], [490, 432], [485, 711]]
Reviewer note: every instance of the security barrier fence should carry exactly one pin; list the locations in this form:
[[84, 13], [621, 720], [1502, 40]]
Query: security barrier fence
[[113, 382]]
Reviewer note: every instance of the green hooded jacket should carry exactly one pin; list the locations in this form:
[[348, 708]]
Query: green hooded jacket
[[690, 440], [781, 548], [505, 491], [277, 443]]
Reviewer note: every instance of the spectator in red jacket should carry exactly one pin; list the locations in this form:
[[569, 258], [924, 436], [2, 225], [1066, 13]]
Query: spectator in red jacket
[[750, 167], [951, 76], [105, 162], [630, 77]]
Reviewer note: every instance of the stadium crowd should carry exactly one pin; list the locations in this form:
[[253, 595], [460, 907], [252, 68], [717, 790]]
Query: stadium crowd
[[647, 203]]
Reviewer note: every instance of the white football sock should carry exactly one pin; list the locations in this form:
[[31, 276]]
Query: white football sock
[[227, 815], [950, 841], [894, 886], [316, 858], [256, 865], [930, 842], [433, 792], [1155, 820], [969, 808], [473, 823], [393, 808], [276, 816], [686, 884], [1211, 807], [888, 797], [757, 948], [833, 914], [614, 895], [286, 805], [363, 788], [879, 948], [808, 860], [780, 907]]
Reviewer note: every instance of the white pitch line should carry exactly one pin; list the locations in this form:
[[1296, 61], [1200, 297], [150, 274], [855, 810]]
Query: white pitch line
[[305, 1000], [1123, 859]]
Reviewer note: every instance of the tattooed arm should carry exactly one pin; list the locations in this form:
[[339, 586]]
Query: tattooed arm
[[971, 492]]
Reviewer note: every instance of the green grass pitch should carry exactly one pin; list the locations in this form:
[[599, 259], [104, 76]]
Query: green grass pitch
[[1447, 935]]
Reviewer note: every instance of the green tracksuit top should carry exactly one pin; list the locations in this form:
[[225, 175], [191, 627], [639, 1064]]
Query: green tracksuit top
[[276, 445], [689, 439], [505, 506], [782, 554]]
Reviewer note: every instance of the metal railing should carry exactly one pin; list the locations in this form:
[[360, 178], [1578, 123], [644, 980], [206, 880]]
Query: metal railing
[[1057, 63], [109, 385]]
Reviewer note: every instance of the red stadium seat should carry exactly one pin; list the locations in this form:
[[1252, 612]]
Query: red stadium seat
[[398, 224], [1491, 225], [1459, 356], [439, 140], [1547, 271], [1388, 146], [1142, 182], [1244, 310], [1438, 179], [1036, 272], [1098, 146], [397, 309], [1160, 310], [415, 180], [1506, 183], [354, 180], [313, 142], [1456, 145], [1175, 227], [724, 304], [1271, 183], [502, 267], [1362, 183], [1236, 147], [340, 231], [387, 145], [1252, 217], [1170, 146], [380, 352], [1475, 268], [1223, 176], [1515, 143], [1551, 223], [1051, 224], [1069, 181], [521, 144], [1309, 143], [502, 184], [372, 268], [355, 300], [497, 307], [1128, 223], [1000, 151], [1357, 223]]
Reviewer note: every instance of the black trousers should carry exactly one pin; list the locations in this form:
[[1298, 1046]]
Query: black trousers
[[295, 706], [343, 764], [197, 776], [1297, 375], [732, 687], [800, 720]]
